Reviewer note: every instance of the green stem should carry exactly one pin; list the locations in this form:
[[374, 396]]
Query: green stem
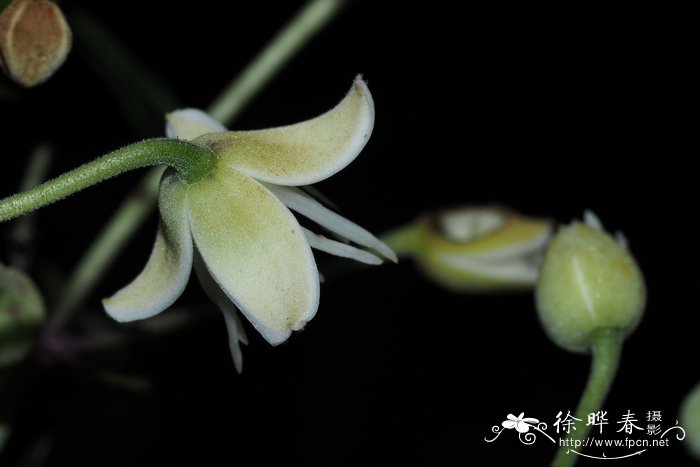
[[280, 50], [606, 348], [191, 161], [129, 217], [406, 240]]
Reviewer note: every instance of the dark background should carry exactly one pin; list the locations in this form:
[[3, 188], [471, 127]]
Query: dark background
[[548, 109]]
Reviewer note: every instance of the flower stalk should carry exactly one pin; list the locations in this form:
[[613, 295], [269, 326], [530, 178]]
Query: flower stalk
[[606, 349], [191, 162]]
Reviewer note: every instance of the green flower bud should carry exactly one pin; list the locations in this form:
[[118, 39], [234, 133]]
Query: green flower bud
[[588, 281], [475, 249], [690, 421], [21, 315]]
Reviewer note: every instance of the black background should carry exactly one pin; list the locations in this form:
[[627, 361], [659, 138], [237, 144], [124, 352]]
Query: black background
[[550, 109]]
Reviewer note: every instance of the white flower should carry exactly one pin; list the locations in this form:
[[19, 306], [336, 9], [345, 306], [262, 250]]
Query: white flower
[[248, 249]]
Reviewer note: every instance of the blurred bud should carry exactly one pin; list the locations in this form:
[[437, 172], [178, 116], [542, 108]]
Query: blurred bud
[[21, 315], [475, 249], [34, 40], [588, 281], [690, 421]]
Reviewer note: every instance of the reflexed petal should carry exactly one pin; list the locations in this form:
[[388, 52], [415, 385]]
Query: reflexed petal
[[190, 123], [309, 207], [303, 153], [256, 251], [168, 269], [343, 250], [234, 327], [509, 424]]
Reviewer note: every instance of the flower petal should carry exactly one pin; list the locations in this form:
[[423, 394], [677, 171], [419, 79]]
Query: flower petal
[[168, 269], [190, 123], [303, 153], [256, 251], [343, 250], [234, 327], [508, 424], [305, 205]]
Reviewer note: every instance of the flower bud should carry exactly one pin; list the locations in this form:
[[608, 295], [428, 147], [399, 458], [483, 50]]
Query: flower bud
[[588, 281], [34, 40], [690, 421], [475, 249], [21, 315]]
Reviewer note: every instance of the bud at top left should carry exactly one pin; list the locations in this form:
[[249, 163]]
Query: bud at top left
[[34, 40]]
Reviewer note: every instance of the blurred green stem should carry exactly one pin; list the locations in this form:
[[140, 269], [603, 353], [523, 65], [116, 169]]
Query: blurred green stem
[[282, 48], [606, 349], [406, 240], [22, 233], [133, 212], [142, 95]]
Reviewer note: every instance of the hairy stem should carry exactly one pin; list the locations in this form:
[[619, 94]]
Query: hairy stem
[[191, 161]]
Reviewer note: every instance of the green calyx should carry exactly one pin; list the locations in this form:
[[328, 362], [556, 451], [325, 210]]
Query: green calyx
[[191, 161]]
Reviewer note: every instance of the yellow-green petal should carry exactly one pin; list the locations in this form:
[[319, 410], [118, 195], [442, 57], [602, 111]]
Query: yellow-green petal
[[303, 153], [168, 269], [255, 250]]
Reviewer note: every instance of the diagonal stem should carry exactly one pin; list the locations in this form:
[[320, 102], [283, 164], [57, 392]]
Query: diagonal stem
[[271, 59]]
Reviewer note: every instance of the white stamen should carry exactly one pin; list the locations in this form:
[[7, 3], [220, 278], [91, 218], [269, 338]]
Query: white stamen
[[340, 249], [235, 338], [302, 203]]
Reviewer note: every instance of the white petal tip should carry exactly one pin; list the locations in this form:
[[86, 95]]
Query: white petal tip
[[390, 255], [591, 220], [124, 314], [622, 240], [190, 123]]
